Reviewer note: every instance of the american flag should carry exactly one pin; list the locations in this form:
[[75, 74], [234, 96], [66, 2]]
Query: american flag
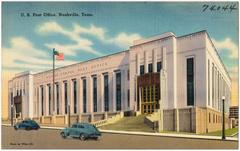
[[60, 56]]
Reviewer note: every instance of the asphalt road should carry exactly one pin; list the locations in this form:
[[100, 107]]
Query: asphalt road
[[50, 139]]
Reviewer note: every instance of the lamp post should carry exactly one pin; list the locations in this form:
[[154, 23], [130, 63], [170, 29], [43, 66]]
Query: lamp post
[[223, 119]]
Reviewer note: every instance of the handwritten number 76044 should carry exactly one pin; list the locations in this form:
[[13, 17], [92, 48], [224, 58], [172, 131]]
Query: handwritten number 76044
[[223, 8]]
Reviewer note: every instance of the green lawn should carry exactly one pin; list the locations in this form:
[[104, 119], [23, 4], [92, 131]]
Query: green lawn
[[228, 132], [132, 123]]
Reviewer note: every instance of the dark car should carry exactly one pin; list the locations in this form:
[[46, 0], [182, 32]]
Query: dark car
[[81, 131], [27, 125]]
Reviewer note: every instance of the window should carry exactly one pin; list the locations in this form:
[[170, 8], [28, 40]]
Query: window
[[94, 94], [118, 91], [75, 96], [141, 69], [57, 89], [65, 97], [150, 69], [80, 126], [42, 99], [190, 81], [84, 96], [159, 66], [128, 75], [106, 93], [49, 99]]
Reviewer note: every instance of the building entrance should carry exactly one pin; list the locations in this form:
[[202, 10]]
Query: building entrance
[[148, 92], [18, 105]]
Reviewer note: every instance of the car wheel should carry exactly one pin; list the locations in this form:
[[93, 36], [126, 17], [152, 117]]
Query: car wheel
[[15, 127], [82, 137], [63, 135], [28, 128], [37, 127], [95, 138]]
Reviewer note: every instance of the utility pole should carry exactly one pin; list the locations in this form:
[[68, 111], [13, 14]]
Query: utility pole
[[223, 119]]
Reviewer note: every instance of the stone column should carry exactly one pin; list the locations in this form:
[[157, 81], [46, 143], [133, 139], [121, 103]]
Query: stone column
[[100, 94], [61, 86], [39, 102], [80, 96], [46, 100], [138, 64], [89, 95], [154, 57], [145, 62], [52, 101]]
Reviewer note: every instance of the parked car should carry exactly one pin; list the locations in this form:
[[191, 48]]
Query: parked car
[[27, 125], [81, 131]]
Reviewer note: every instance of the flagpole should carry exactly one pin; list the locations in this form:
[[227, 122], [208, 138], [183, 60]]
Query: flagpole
[[53, 78]]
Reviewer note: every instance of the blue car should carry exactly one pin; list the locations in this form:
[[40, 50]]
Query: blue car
[[27, 125], [81, 131]]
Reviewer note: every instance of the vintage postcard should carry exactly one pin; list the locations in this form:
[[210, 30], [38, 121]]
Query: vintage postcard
[[120, 75]]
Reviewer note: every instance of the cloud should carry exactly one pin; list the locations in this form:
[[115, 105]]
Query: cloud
[[23, 55], [122, 40], [125, 40], [229, 45], [233, 71], [68, 49]]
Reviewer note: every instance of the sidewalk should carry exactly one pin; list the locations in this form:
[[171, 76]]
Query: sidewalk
[[45, 126]]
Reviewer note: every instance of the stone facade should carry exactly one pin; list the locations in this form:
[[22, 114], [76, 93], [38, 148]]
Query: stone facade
[[82, 86]]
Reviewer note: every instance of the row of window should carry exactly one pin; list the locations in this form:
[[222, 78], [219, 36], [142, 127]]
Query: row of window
[[218, 87], [84, 95], [150, 68], [214, 118], [20, 92]]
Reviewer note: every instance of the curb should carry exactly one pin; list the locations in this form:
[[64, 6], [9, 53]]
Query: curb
[[152, 134], [171, 135]]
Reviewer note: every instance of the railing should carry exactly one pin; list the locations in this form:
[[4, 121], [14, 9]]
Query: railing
[[154, 116]]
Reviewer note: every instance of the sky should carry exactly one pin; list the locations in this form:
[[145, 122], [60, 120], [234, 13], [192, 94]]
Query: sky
[[27, 42]]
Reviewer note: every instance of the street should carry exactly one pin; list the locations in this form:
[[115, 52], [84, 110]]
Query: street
[[50, 139]]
